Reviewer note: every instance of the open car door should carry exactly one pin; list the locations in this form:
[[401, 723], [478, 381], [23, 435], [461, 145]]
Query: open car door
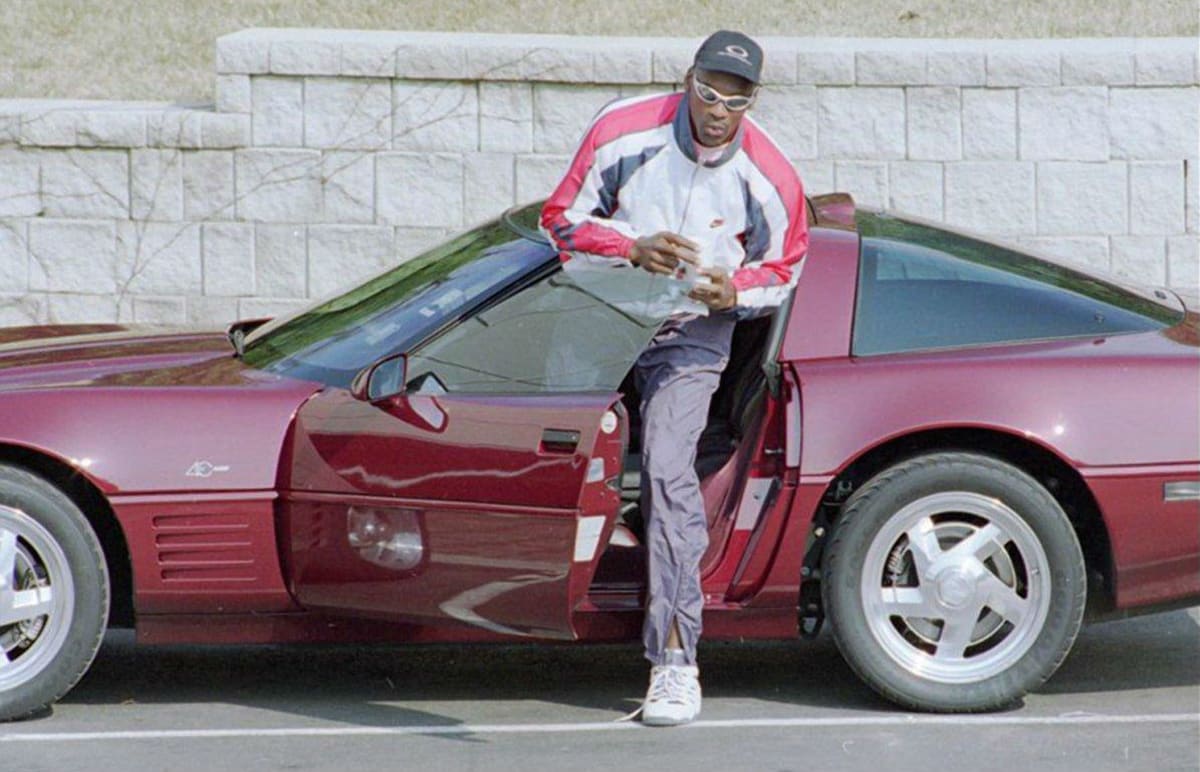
[[475, 479]]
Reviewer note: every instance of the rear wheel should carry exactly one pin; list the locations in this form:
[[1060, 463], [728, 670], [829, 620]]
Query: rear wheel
[[54, 594], [954, 582]]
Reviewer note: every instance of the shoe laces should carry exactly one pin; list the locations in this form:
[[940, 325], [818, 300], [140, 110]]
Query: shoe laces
[[670, 684]]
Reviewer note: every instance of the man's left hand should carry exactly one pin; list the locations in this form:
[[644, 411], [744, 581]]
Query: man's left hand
[[718, 293]]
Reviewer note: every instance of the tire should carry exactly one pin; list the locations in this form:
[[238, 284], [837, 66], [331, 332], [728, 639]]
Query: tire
[[49, 557], [954, 582]]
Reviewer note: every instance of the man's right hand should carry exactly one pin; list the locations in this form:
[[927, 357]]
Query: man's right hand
[[662, 252]]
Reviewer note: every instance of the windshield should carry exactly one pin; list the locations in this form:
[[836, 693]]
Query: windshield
[[334, 339]]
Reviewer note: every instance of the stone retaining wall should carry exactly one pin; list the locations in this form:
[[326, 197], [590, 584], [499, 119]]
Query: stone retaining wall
[[330, 154]]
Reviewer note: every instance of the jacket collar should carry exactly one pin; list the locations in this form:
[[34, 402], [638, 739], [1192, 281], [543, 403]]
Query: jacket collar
[[682, 125]]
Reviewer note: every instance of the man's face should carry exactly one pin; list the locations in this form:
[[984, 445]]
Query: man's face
[[715, 124]]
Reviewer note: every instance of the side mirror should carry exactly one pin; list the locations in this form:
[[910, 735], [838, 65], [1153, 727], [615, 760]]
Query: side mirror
[[384, 378]]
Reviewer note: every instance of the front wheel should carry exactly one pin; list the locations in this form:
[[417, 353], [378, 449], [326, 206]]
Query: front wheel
[[954, 582], [54, 593]]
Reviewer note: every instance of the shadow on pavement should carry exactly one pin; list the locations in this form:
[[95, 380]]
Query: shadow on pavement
[[359, 685]]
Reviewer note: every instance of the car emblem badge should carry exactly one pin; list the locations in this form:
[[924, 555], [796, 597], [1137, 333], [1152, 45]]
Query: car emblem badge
[[205, 469]]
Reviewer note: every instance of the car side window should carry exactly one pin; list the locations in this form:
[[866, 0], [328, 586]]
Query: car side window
[[924, 288], [563, 333]]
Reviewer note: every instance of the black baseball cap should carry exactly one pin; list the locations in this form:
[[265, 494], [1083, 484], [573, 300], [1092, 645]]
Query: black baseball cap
[[731, 52]]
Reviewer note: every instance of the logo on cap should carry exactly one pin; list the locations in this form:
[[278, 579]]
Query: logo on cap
[[737, 52]]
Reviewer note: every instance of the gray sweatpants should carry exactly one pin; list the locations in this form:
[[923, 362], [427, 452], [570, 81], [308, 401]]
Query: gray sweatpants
[[676, 377]]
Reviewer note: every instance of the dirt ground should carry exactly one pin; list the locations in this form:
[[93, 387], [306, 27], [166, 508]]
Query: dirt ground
[[164, 49]]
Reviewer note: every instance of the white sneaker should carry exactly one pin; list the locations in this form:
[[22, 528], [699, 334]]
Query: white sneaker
[[673, 697]]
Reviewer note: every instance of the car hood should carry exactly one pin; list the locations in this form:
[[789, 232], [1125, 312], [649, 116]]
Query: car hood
[[141, 410]]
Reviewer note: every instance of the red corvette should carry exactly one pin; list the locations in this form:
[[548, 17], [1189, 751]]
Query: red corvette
[[951, 449]]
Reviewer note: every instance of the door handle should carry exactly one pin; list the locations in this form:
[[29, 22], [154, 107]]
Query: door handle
[[559, 441]]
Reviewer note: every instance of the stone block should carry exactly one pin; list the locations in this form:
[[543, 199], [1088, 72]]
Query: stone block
[[816, 176], [1156, 197], [233, 94], [348, 187], [175, 127], [489, 185], [562, 113], [861, 123], [1088, 253], [1154, 123], [49, 128], [243, 54], [779, 65], [111, 128], [305, 57], [956, 68], [228, 259], [211, 313], [1183, 262], [1064, 124], [419, 189], [267, 308], [85, 183], [72, 256], [1191, 181], [1085, 68], [1166, 67], [500, 61], [789, 114], [348, 113], [281, 261], [277, 117], [88, 309], [14, 256], [890, 68], [159, 310], [866, 181], [157, 184], [614, 61], [916, 187], [278, 185], [934, 124], [423, 62], [1082, 198], [1140, 259], [506, 117], [20, 189], [22, 310], [224, 130], [825, 68], [435, 115], [991, 197], [369, 59], [671, 62], [1023, 68], [10, 128], [539, 175], [208, 185], [159, 258], [989, 123], [340, 256], [410, 242]]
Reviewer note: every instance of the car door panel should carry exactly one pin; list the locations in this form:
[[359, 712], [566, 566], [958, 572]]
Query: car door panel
[[495, 493]]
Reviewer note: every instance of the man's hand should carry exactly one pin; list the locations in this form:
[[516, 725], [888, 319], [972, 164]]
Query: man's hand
[[718, 293], [663, 252]]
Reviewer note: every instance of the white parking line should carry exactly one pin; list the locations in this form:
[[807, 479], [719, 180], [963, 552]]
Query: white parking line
[[605, 726]]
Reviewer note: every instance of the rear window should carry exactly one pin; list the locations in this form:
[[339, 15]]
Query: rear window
[[921, 287]]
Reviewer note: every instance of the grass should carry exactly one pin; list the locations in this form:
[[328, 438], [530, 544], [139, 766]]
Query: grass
[[163, 49]]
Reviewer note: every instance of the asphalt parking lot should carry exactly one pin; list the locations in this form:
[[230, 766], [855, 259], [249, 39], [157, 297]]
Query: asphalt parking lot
[[1128, 698]]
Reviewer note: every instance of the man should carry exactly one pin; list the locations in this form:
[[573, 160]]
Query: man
[[666, 182]]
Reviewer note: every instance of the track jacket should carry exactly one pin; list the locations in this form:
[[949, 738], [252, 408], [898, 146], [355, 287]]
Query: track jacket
[[636, 173]]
